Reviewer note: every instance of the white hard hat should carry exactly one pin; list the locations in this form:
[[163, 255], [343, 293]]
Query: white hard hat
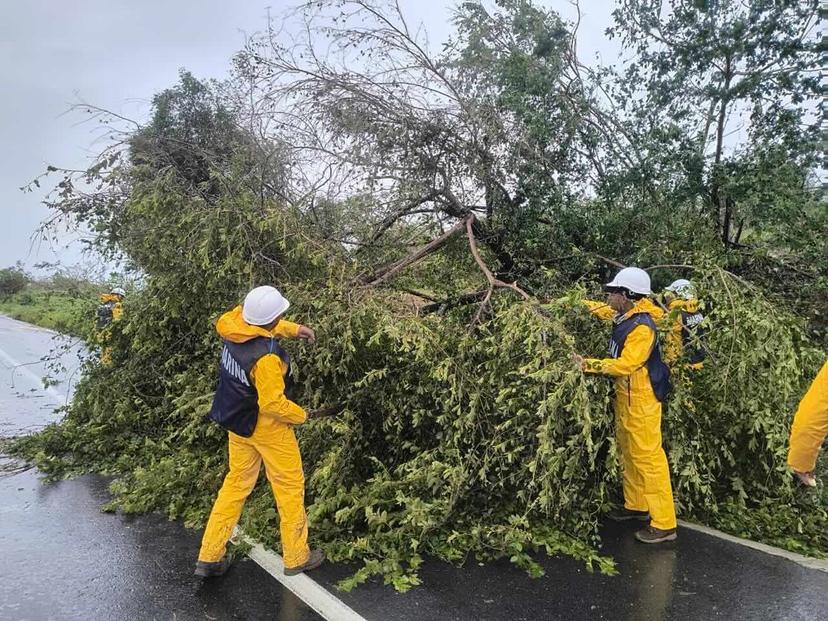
[[118, 291], [262, 305], [682, 287], [633, 279]]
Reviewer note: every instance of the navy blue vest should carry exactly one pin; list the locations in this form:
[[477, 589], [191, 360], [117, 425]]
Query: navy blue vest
[[105, 314], [658, 371], [236, 402], [692, 334]]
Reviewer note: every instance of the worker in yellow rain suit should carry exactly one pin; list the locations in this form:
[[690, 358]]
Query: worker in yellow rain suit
[[685, 338], [252, 403], [111, 307], [110, 310], [642, 382], [810, 426]]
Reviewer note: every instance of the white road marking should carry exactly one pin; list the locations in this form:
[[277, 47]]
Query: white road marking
[[805, 561], [303, 586]]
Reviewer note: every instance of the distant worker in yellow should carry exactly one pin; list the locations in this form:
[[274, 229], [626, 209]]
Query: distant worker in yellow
[[111, 307], [642, 383], [686, 336], [810, 426], [110, 310], [252, 402]]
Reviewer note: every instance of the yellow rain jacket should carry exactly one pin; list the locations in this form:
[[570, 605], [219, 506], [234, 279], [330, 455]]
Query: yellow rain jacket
[[117, 308], [272, 443], [810, 425], [674, 343], [645, 472]]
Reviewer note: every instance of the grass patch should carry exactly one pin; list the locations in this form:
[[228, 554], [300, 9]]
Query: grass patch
[[70, 312]]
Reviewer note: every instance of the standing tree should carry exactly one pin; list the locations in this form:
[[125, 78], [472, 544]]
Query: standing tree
[[721, 92]]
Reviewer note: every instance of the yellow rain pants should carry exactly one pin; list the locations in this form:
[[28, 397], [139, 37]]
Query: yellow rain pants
[[644, 467], [810, 425], [105, 334], [272, 443]]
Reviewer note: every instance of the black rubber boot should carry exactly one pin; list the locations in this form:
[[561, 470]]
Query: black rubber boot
[[204, 569], [315, 559]]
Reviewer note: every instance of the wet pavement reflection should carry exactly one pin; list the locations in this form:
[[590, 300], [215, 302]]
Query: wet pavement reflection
[[28, 355], [697, 577]]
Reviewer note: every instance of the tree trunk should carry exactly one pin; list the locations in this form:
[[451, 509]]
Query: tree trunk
[[721, 210], [728, 213]]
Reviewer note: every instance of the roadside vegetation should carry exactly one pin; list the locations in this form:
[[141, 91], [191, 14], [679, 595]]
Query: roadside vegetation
[[60, 302]]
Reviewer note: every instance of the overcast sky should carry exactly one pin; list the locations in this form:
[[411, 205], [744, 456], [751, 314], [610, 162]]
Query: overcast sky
[[116, 54]]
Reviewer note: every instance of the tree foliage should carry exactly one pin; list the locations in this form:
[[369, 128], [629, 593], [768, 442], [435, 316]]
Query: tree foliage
[[721, 99], [417, 209], [13, 280]]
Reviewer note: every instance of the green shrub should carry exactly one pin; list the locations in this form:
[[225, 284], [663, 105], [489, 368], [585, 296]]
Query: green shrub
[[12, 280]]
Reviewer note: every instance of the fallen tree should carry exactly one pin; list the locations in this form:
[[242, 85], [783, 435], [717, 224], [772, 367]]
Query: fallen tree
[[464, 433]]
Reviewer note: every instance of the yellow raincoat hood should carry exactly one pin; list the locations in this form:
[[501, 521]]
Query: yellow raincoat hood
[[234, 328], [645, 305]]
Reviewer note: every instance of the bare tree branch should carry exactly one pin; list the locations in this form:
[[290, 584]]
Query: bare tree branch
[[384, 273]]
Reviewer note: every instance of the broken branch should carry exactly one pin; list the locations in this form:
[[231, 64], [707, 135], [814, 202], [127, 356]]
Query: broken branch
[[384, 273]]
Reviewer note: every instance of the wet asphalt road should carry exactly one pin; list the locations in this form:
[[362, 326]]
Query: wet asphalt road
[[62, 558], [25, 405], [699, 577]]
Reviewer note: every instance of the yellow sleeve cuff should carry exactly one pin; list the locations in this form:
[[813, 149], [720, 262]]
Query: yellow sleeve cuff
[[286, 329], [602, 310]]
